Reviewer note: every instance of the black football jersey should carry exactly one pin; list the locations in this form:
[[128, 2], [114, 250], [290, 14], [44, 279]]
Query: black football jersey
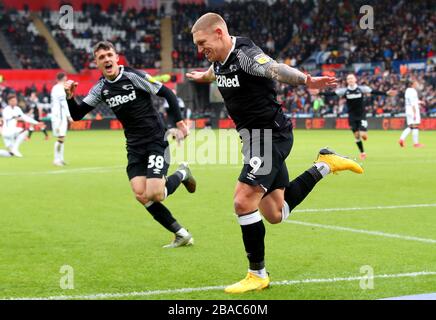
[[129, 97], [250, 97], [355, 100]]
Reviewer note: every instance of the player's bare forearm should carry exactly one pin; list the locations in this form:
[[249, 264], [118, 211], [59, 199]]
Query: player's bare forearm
[[202, 76], [284, 73]]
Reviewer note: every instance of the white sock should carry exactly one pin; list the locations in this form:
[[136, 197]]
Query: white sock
[[405, 133], [57, 151], [285, 211], [182, 232], [5, 154], [21, 137], [183, 172], [260, 273], [415, 135], [61, 153], [250, 218], [323, 168]]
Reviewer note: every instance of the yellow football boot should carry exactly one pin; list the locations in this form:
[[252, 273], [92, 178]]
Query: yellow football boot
[[337, 162], [250, 283]]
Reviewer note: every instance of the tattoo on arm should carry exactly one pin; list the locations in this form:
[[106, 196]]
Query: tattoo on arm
[[284, 73]]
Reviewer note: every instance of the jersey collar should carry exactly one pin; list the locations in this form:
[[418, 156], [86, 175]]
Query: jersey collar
[[230, 52], [352, 88], [119, 75]]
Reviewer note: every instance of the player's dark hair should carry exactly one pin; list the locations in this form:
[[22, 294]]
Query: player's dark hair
[[60, 76], [105, 45], [10, 96]]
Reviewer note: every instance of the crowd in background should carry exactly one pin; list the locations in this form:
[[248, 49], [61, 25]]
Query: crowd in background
[[298, 101], [30, 48], [292, 31], [289, 31]]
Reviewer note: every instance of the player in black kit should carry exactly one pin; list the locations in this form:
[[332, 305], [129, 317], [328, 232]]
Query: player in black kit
[[245, 77], [34, 110], [127, 92], [354, 94]]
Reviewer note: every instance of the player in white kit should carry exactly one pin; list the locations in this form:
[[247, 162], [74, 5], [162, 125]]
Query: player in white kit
[[60, 116], [13, 135], [413, 115]]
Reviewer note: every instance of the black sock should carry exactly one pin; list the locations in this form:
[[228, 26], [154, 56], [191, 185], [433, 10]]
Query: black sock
[[300, 187], [360, 145], [30, 133], [253, 236], [45, 132], [162, 215], [173, 182]]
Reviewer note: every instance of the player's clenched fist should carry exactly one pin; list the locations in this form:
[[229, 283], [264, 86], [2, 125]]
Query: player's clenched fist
[[70, 86]]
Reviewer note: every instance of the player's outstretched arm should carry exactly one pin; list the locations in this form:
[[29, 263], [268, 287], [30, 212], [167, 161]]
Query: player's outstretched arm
[[284, 73], [202, 76], [77, 111]]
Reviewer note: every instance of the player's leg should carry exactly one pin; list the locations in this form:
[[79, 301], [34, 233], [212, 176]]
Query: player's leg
[[20, 135], [246, 202], [277, 205], [415, 136], [9, 142], [44, 131], [407, 131], [62, 134], [59, 150], [158, 188], [31, 129], [274, 207]]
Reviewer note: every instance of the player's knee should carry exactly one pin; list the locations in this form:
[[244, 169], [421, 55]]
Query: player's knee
[[158, 196], [141, 198], [241, 205]]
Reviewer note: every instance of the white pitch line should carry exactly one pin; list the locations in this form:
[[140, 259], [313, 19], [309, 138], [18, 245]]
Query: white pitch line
[[63, 171], [213, 288], [406, 206], [373, 233]]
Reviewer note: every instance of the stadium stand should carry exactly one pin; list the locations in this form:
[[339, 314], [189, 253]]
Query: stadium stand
[[297, 33], [135, 34], [28, 46]]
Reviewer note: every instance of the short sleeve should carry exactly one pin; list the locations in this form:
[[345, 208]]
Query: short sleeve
[[340, 91], [94, 96], [365, 89], [143, 81], [254, 61]]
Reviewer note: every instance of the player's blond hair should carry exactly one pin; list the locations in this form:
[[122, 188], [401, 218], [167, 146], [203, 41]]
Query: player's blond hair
[[209, 20]]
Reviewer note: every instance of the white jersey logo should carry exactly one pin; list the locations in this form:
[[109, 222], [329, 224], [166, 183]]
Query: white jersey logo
[[223, 81], [119, 99], [354, 96]]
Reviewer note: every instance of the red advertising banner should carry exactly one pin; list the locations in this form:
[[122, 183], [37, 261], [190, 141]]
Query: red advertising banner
[[316, 123], [22, 79], [342, 123]]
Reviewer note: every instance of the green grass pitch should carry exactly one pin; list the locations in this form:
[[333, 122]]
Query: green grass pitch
[[85, 216]]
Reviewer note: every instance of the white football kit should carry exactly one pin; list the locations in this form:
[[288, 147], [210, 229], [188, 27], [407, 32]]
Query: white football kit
[[59, 111], [10, 130], [412, 103]]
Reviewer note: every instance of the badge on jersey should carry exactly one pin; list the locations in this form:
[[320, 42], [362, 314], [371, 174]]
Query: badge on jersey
[[262, 58]]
